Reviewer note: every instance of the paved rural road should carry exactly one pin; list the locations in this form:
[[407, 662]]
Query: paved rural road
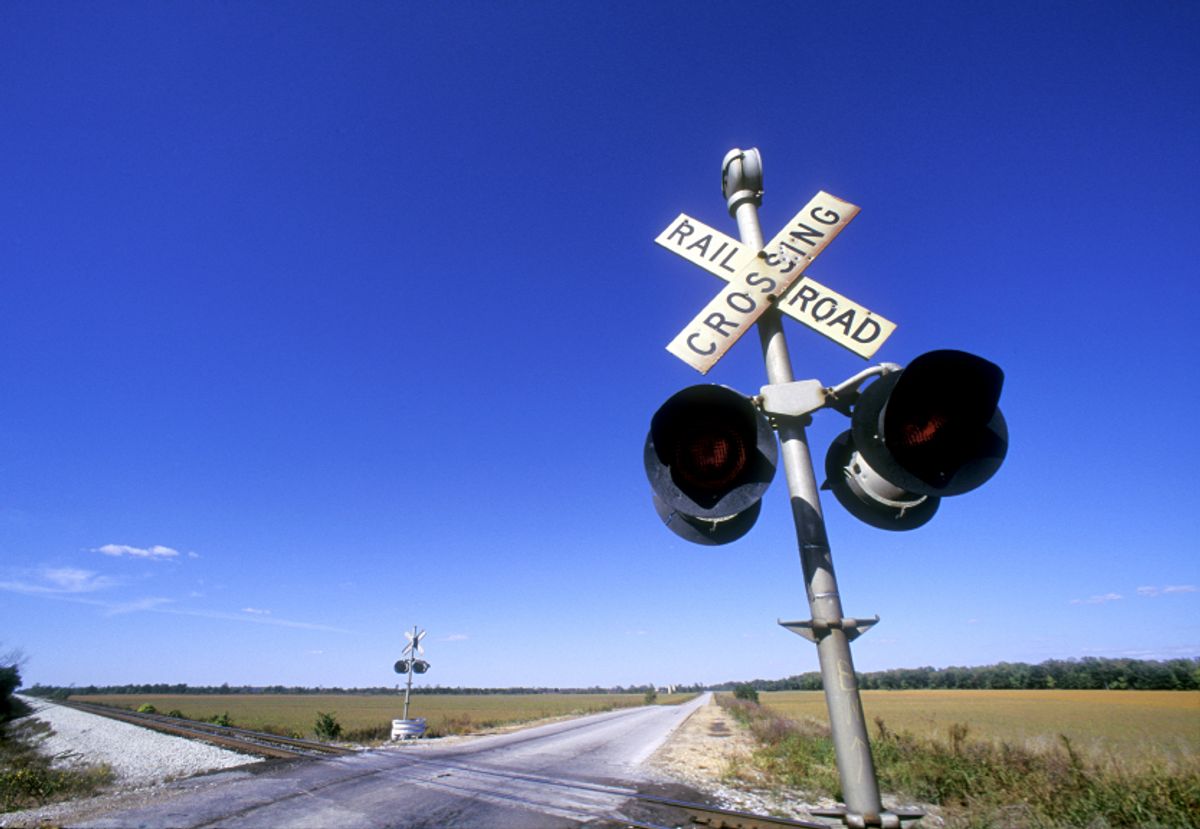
[[582, 771]]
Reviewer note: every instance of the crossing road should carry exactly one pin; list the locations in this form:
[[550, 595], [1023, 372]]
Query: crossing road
[[566, 774]]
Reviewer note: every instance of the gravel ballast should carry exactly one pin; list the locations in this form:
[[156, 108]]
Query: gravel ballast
[[137, 756]]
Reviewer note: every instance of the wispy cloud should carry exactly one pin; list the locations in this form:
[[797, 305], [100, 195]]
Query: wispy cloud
[[60, 581], [72, 585], [1107, 597], [256, 610], [456, 637], [158, 551], [1153, 592], [135, 606], [256, 619]]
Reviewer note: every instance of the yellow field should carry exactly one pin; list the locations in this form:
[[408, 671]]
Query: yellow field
[[1137, 725], [443, 712]]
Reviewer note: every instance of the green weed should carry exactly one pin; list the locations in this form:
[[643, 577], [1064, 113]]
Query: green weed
[[327, 727], [28, 779]]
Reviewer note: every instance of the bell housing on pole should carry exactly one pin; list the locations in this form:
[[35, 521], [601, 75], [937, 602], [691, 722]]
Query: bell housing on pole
[[710, 455], [931, 430]]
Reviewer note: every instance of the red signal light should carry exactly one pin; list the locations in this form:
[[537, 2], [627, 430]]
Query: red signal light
[[709, 455]]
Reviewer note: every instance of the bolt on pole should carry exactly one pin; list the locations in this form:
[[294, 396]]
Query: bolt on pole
[[741, 182]]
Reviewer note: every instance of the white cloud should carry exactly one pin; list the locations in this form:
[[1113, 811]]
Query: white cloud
[[1107, 597], [157, 551], [256, 610], [456, 637], [1147, 592], [1180, 588]]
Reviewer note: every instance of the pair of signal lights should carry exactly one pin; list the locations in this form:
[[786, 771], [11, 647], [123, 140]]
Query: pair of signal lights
[[931, 430], [419, 666]]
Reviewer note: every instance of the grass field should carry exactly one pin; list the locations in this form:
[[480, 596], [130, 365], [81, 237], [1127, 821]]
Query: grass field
[[1015, 759], [1136, 725], [444, 713]]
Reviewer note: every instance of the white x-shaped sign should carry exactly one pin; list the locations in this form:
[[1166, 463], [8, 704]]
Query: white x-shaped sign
[[774, 276], [414, 643]]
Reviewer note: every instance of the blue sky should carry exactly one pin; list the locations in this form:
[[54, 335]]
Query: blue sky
[[322, 320]]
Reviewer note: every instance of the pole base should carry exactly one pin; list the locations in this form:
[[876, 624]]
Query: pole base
[[408, 729]]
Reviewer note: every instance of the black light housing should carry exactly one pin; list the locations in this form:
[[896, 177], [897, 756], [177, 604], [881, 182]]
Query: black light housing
[[710, 455], [932, 430]]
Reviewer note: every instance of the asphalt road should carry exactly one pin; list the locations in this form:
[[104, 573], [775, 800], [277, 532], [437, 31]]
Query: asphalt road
[[573, 773]]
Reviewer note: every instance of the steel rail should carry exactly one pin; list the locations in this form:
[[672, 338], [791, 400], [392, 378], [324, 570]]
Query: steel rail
[[224, 736], [700, 813]]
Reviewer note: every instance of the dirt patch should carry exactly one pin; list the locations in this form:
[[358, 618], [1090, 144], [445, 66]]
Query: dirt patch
[[711, 752]]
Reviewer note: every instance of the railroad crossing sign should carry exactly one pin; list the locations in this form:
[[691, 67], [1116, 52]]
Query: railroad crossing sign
[[772, 276], [414, 642]]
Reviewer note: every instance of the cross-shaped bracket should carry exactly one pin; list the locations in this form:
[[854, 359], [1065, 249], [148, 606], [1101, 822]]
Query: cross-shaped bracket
[[773, 276]]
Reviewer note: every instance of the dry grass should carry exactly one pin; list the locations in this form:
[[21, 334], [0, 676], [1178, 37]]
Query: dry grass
[[1139, 726], [1046, 783], [366, 714]]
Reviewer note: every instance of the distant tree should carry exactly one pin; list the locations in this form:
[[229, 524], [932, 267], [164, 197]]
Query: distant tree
[[10, 681], [651, 697], [745, 692]]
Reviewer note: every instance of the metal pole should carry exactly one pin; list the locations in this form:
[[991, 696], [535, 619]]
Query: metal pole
[[742, 188], [412, 659]]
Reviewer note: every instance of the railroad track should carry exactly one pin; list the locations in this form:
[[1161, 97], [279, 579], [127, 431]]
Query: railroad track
[[464, 779], [236, 739], [533, 790]]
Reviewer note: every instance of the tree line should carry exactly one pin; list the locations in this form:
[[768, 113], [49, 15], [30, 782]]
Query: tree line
[[1089, 673], [64, 691]]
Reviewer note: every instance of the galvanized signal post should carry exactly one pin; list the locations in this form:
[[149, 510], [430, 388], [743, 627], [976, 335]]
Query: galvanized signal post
[[410, 663], [919, 433]]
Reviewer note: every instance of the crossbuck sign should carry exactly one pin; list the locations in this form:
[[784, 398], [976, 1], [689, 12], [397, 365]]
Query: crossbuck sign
[[773, 276]]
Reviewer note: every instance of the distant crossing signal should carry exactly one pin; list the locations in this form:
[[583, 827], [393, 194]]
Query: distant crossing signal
[[931, 430], [710, 455]]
